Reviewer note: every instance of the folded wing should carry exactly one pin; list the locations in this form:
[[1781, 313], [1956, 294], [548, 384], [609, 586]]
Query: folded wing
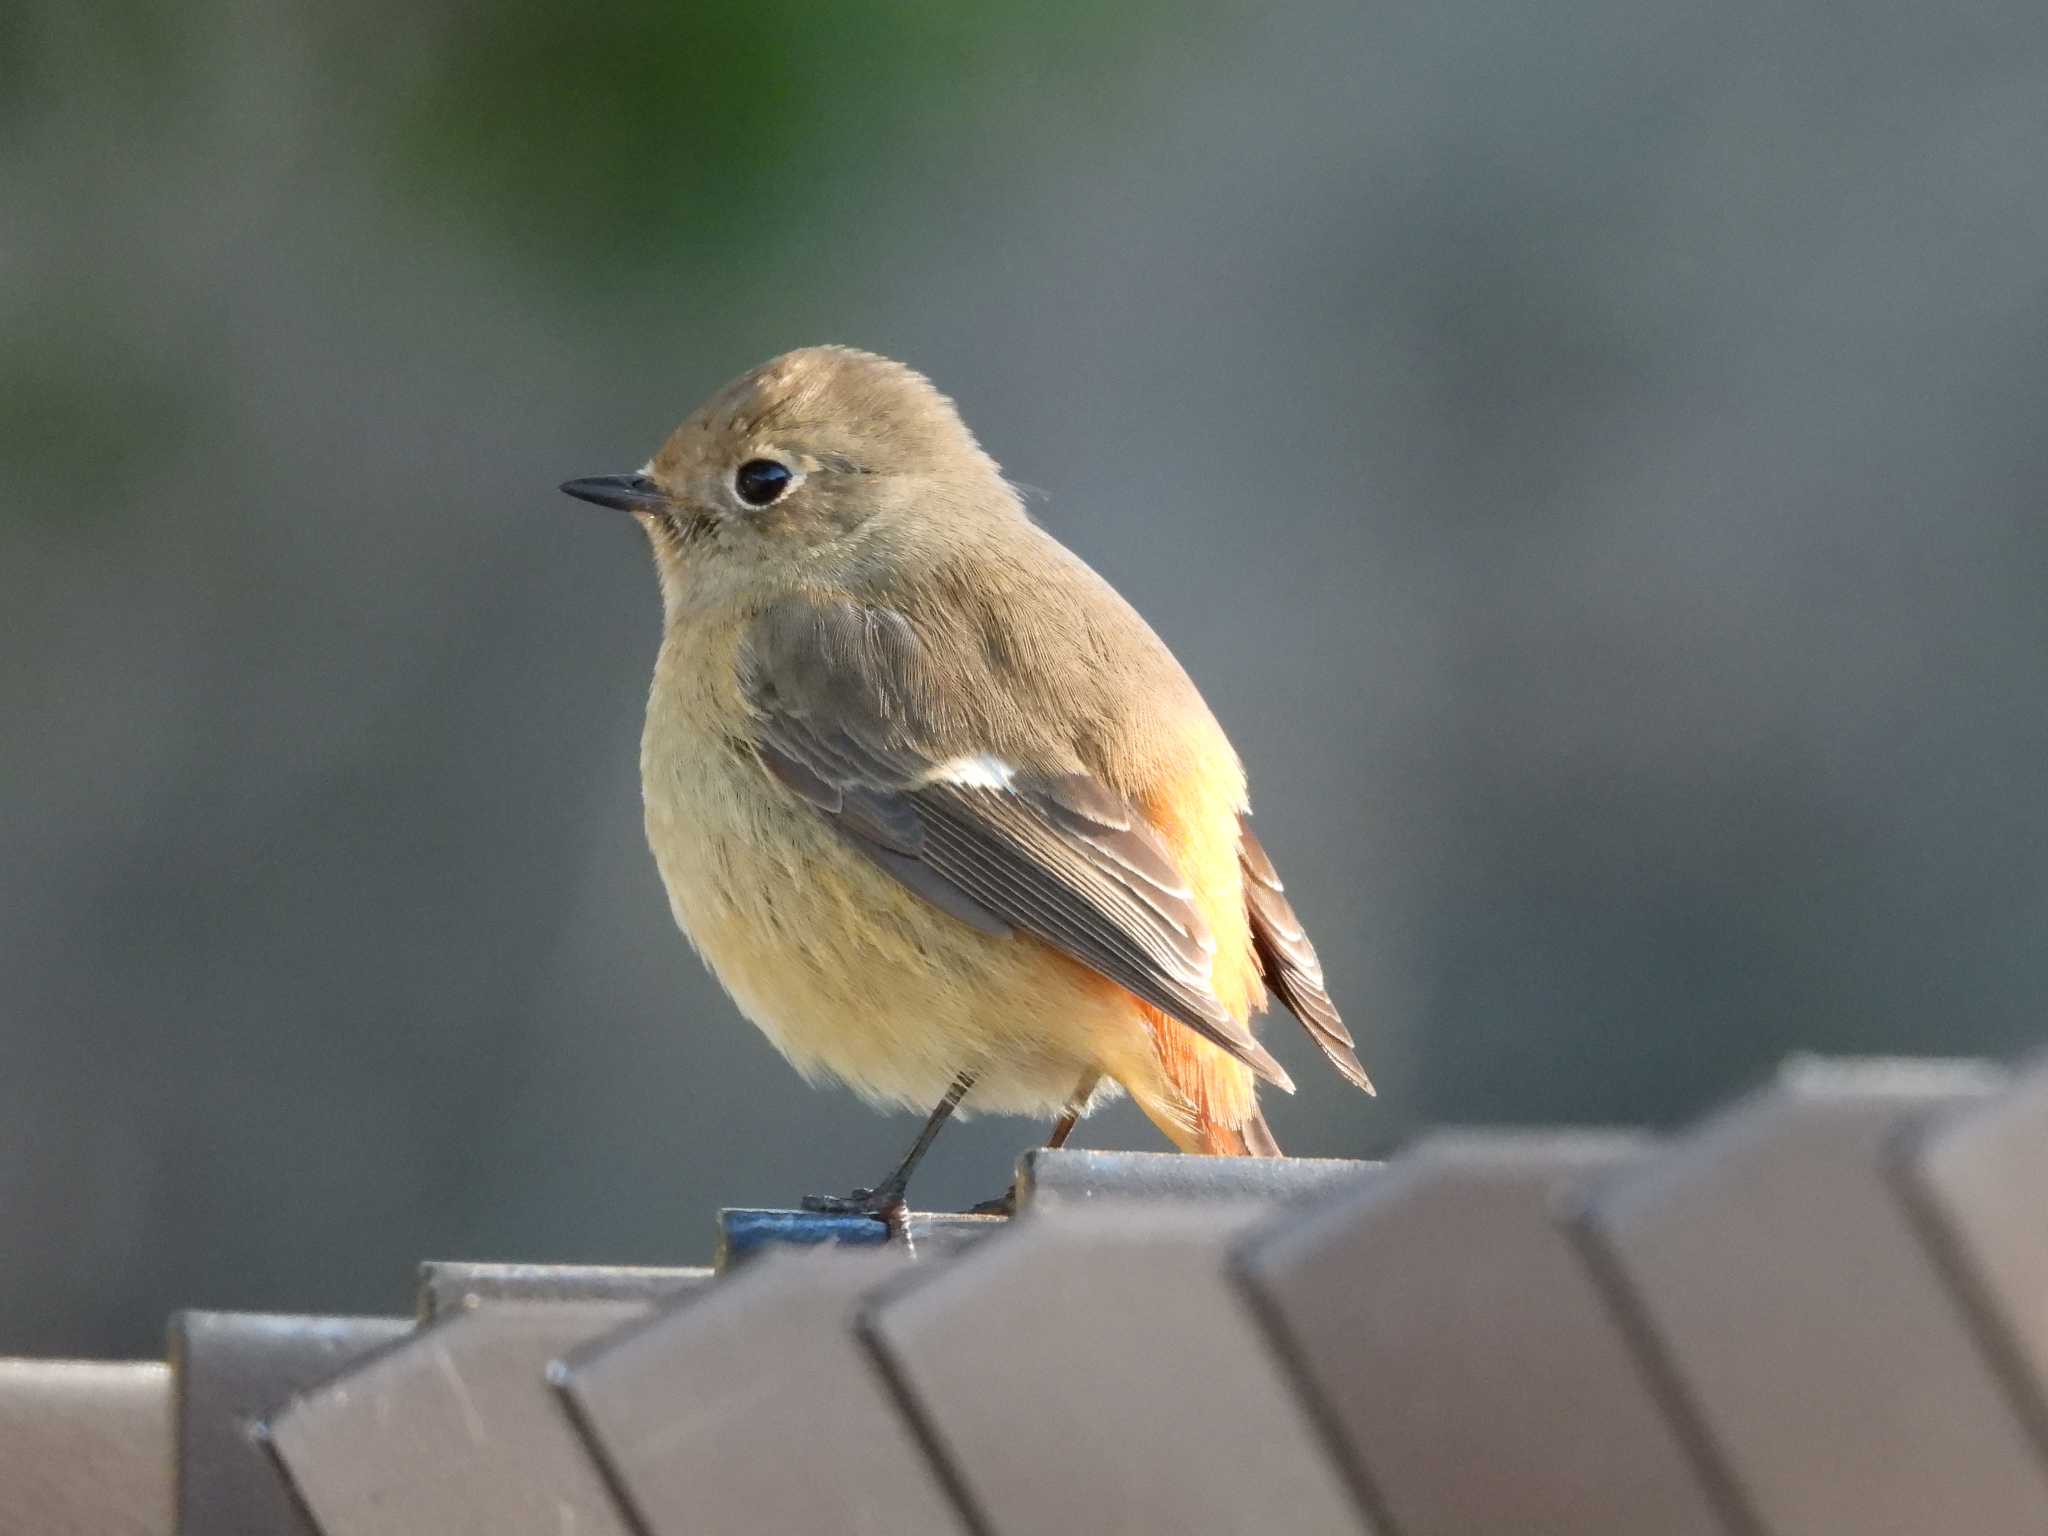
[[844, 716]]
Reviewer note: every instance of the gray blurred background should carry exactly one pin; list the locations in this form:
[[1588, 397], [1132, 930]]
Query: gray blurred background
[[1591, 455]]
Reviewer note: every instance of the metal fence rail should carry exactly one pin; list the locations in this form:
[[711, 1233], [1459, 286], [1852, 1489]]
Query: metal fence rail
[[1824, 1309]]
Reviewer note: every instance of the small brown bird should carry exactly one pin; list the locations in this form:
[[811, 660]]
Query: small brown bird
[[938, 808]]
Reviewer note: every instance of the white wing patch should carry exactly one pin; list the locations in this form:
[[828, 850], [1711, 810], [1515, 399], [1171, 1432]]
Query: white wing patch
[[978, 772]]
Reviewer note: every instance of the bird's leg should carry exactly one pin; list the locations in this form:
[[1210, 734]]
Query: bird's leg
[[885, 1201], [1063, 1127], [1005, 1204]]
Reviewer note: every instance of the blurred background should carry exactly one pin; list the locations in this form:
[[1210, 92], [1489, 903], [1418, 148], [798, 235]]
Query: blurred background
[[1591, 455]]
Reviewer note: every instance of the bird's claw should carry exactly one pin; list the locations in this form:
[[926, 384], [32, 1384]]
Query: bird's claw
[[1004, 1204], [884, 1205]]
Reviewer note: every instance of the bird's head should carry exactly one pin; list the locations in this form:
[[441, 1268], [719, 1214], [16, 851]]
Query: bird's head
[[816, 461]]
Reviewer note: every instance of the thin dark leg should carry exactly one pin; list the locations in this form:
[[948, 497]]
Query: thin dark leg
[[885, 1200], [1062, 1128], [1005, 1204], [900, 1179]]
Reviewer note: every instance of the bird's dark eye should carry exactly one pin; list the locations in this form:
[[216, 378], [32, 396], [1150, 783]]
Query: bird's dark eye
[[760, 481]]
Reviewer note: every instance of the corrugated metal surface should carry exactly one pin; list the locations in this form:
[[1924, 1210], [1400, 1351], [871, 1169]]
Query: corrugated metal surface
[[1819, 1311]]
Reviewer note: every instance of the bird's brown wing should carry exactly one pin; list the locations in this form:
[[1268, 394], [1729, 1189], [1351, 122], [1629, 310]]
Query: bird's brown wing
[[1289, 960], [845, 715]]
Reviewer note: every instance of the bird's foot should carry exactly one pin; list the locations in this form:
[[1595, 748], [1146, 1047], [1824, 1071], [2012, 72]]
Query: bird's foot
[[884, 1204], [1004, 1204]]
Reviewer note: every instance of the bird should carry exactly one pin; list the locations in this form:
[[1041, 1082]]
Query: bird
[[939, 810]]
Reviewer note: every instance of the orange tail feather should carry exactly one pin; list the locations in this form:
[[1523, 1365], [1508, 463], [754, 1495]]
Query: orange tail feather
[[1208, 1102]]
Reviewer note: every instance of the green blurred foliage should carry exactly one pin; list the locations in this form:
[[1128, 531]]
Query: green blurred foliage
[[715, 151], [127, 56], [646, 133], [69, 387]]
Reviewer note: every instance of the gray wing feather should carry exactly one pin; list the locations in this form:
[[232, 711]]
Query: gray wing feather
[[838, 696]]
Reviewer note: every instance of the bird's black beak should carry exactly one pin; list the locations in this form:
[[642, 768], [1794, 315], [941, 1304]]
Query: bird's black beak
[[624, 493]]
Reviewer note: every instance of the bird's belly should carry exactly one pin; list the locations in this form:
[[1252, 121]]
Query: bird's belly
[[850, 975]]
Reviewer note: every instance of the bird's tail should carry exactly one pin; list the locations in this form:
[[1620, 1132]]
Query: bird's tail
[[1213, 1137], [1203, 1100], [1252, 1139]]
